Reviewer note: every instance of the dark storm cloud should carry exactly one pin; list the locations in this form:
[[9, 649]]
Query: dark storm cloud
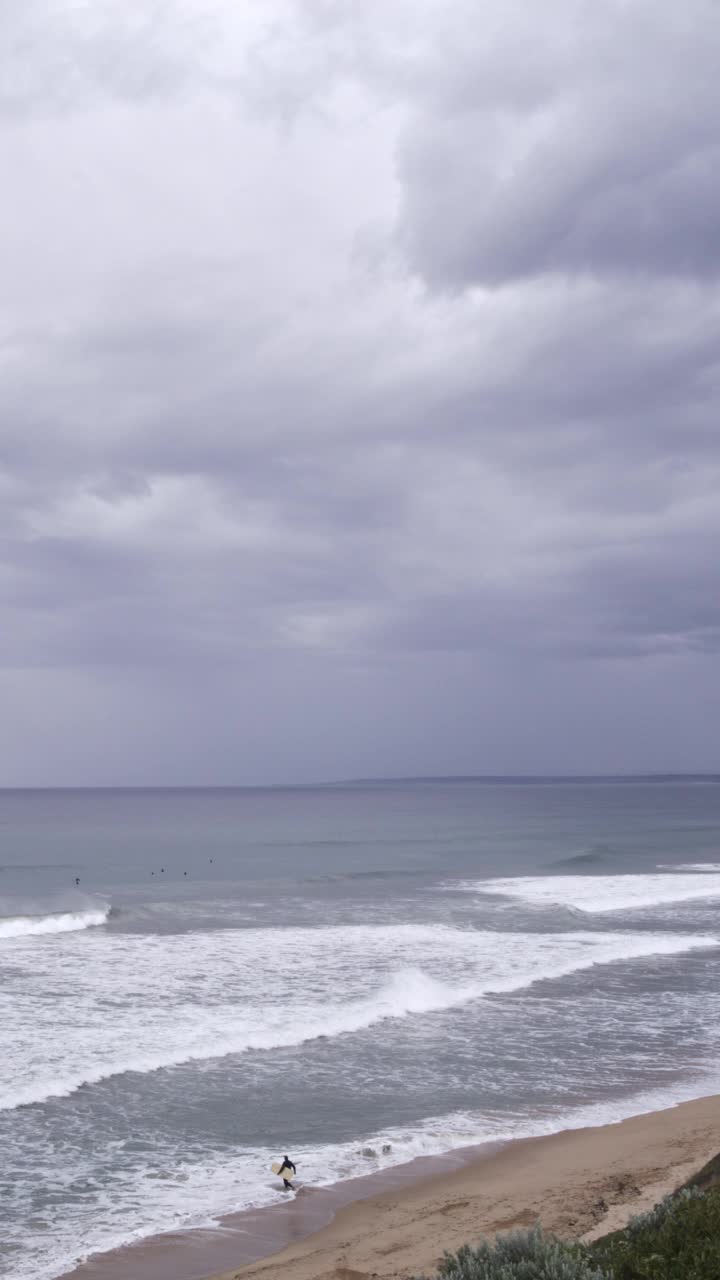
[[595, 152], [199, 524], [329, 333], [632, 606]]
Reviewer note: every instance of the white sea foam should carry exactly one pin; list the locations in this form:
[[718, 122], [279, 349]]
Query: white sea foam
[[690, 866], [138, 1003], [55, 922], [600, 894], [177, 1192]]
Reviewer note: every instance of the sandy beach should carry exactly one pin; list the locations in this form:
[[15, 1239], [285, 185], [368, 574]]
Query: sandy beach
[[578, 1183]]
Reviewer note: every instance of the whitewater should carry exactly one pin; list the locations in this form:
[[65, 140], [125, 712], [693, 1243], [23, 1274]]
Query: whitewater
[[359, 976], [56, 922], [210, 995]]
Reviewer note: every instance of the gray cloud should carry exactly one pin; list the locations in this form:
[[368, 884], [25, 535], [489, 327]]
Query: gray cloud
[[591, 150], [60, 57], [335, 345]]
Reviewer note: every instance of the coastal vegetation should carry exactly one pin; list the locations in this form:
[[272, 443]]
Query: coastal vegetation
[[677, 1240], [520, 1255]]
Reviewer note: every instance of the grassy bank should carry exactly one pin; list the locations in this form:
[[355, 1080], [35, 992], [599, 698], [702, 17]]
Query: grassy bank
[[678, 1240]]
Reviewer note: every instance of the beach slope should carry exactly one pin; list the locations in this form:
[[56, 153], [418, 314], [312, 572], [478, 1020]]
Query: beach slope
[[579, 1183]]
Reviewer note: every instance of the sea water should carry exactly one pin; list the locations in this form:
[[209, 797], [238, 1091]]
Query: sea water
[[355, 975]]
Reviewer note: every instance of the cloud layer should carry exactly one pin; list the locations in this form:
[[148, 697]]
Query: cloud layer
[[340, 338]]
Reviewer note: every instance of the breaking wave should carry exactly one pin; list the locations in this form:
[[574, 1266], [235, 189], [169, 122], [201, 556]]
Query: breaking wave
[[185, 1026], [691, 866], [597, 895], [55, 922]]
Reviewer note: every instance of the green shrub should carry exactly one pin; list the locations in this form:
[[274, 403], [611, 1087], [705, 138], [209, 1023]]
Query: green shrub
[[654, 1218], [678, 1240], [521, 1255], [708, 1176]]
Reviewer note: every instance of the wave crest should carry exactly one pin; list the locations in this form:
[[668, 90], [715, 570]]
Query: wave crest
[[55, 922], [597, 895], [148, 1043]]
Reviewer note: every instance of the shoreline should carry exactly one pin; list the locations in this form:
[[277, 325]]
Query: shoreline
[[250, 1236], [577, 1182]]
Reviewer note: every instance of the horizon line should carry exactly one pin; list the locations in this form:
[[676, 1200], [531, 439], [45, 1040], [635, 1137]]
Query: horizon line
[[371, 780]]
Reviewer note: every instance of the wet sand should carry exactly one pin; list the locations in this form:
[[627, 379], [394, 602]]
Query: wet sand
[[578, 1183]]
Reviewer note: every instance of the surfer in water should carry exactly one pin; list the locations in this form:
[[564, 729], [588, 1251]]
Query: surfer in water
[[287, 1164]]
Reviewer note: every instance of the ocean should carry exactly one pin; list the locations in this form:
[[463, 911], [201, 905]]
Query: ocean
[[355, 975]]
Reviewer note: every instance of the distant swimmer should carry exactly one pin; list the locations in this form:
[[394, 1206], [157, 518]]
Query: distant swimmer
[[284, 1168], [77, 879]]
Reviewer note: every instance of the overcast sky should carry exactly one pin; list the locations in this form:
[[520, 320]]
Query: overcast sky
[[359, 388]]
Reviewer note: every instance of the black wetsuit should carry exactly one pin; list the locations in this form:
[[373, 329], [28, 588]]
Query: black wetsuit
[[287, 1164]]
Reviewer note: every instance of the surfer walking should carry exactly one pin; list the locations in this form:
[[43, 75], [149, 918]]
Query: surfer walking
[[287, 1165]]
